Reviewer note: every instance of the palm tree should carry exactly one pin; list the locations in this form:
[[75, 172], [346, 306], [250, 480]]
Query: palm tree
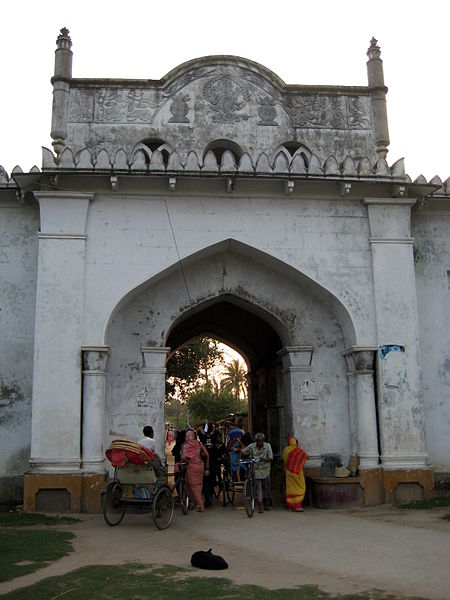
[[235, 379]]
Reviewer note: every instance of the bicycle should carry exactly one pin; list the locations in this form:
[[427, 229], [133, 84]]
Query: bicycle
[[179, 485], [249, 484]]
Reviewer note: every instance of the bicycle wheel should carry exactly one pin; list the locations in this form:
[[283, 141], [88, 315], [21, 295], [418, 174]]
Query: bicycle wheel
[[218, 484], [230, 491], [224, 492], [217, 488], [162, 510], [249, 498], [226, 488], [184, 498], [113, 513]]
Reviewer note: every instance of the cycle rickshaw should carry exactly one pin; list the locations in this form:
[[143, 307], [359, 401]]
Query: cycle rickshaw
[[139, 485]]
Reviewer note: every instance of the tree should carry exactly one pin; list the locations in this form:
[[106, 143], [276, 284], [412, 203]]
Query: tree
[[190, 365], [208, 403], [235, 379]]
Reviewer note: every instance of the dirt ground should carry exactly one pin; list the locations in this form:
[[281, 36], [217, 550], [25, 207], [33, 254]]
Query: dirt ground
[[342, 551]]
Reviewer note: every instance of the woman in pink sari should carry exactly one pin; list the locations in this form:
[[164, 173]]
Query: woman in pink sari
[[197, 457]]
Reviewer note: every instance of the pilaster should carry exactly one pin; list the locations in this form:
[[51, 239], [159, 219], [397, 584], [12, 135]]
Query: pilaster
[[93, 435], [360, 363], [400, 407], [297, 366], [56, 400], [154, 374]]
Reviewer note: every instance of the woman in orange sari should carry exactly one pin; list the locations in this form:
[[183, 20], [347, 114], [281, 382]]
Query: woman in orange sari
[[294, 458]]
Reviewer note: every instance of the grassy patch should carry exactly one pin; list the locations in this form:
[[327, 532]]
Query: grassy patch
[[24, 551], [446, 517], [423, 504], [22, 519], [142, 582]]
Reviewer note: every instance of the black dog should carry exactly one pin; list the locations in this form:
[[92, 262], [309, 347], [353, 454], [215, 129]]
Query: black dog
[[208, 560]]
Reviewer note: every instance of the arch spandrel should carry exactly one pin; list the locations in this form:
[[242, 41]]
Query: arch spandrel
[[200, 288]]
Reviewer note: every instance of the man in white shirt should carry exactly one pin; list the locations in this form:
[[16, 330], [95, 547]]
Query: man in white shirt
[[148, 440], [262, 451]]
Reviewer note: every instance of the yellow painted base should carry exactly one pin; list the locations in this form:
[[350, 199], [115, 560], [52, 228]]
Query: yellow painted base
[[392, 479], [83, 491], [379, 485]]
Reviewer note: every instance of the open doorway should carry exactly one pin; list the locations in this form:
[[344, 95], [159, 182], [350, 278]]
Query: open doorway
[[206, 388]]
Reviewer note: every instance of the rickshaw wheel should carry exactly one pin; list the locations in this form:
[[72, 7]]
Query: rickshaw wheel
[[113, 513], [162, 510], [249, 498]]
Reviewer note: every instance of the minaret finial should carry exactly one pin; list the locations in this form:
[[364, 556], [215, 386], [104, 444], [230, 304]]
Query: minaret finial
[[63, 40], [374, 50]]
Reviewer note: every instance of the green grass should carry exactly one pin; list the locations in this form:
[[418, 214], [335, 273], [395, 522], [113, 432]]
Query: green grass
[[24, 551], [22, 519], [424, 504], [139, 582]]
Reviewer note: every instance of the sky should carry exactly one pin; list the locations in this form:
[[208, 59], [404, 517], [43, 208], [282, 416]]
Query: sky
[[323, 42]]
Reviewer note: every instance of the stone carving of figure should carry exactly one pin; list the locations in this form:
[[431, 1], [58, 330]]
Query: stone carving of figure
[[226, 98]]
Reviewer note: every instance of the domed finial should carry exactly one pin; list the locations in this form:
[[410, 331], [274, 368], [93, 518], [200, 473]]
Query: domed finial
[[374, 50], [63, 40]]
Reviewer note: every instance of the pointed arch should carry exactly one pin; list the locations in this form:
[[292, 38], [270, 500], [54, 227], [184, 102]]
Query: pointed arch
[[266, 262]]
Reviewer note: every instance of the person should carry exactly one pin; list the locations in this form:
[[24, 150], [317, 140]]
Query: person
[[178, 446], [148, 440], [210, 478], [262, 451], [294, 457], [238, 472], [196, 455], [216, 458], [169, 436]]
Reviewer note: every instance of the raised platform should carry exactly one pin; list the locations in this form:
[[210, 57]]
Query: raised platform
[[371, 488]]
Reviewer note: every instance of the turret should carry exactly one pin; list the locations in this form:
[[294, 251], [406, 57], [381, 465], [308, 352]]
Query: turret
[[378, 92], [61, 88]]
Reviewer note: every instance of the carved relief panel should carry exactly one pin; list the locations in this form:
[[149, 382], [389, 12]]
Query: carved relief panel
[[225, 100], [329, 112], [111, 105]]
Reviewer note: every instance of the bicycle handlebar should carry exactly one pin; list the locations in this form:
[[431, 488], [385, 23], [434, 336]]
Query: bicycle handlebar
[[248, 461]]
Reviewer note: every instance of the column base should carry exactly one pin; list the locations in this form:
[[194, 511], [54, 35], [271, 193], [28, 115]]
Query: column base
[[63, 492]]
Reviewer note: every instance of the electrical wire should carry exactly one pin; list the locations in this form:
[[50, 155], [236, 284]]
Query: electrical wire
[[178, 253]]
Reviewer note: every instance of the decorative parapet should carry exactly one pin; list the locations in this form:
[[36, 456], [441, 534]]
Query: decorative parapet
[[7, 181], [145, 161], [151, 164]]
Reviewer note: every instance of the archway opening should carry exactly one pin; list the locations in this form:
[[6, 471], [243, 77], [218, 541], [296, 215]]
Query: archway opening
[[256, 341], [206, 386]]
